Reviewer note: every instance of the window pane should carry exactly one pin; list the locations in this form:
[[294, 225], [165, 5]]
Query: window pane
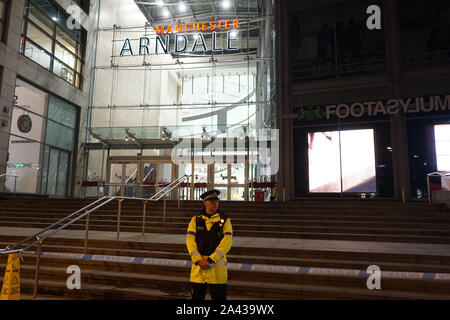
[[24, 161], [65, 56], [45, 170], [424, 32], [52, 172], [312, 44], [39, 37], [60, 136], [359, 50], [38, 55], [63, 168], [41, 20], [67, 41], [64, 72], [62, 112]]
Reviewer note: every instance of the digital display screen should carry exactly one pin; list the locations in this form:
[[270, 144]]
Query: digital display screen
[[342, 161], [442, 141]]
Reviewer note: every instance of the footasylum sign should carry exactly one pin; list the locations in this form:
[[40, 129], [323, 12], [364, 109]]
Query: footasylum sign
[[175, 39]]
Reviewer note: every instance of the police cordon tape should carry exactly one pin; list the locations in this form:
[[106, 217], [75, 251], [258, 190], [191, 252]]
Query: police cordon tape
[[250, 267]]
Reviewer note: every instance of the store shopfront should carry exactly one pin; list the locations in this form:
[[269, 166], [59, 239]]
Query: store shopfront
[[346, 149]]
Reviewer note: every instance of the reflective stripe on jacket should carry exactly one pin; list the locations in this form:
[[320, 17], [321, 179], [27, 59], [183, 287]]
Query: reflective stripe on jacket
[[217, 272]]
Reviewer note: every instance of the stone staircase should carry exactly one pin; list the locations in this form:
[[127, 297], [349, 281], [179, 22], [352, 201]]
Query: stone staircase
[[378, 221], [330, 220]]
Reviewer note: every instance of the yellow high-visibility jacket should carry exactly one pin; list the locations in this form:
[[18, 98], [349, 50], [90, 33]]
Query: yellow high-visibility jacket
[[217, 272]]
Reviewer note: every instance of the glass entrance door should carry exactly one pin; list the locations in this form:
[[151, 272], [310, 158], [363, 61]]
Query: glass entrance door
[[123, 179], [55, 172]]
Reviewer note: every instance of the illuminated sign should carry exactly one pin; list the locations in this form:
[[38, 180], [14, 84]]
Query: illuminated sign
[[375, 108], [174, 39]]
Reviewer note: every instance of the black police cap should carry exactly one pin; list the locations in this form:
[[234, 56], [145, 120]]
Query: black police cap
[[210, 195]]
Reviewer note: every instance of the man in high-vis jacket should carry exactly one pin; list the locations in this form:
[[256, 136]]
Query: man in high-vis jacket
[[208, 240]]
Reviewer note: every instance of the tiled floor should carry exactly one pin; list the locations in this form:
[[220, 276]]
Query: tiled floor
[[305, 244]]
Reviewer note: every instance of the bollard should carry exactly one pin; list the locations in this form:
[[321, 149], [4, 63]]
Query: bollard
[[119, 210], [428, 188]]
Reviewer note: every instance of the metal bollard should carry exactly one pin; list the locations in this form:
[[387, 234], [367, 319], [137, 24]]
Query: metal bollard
[[118, 218], [428, 188]]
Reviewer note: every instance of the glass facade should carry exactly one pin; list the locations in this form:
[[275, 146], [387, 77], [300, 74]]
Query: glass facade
[[332, 41], [170, 72], [424, 32], [217, 92], [47, 41], [42, 142]]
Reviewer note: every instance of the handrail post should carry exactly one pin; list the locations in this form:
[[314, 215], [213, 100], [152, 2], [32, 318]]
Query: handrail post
[[118, 218], [164, 213], [143, 219], [178, 195], [38, 265], [15, 185], [428, 188], [86, 234]]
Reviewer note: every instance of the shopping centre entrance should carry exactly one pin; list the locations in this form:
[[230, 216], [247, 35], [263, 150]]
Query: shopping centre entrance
[[143, 177]]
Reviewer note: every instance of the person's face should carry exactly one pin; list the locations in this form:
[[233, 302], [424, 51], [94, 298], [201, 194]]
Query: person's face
[[211, 205]]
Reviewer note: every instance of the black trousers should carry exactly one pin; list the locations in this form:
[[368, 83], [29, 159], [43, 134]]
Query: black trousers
[[218, 291]]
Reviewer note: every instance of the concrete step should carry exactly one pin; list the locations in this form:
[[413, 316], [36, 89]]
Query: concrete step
[[176, 285]]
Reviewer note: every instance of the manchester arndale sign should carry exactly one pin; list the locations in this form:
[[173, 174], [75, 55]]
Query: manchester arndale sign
[[174, 39]]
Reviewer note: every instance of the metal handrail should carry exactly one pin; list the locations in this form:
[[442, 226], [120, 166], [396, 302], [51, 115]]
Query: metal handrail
[[105, 200], [442, 174], [151, 170], [169, 188], [131, 176], [8, 175]]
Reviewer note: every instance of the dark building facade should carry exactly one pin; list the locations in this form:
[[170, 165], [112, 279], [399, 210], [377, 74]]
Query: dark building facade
[[363, 96]]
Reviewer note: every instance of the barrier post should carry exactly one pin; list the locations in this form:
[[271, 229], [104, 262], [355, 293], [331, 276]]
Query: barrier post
[[143, 219], [164, 212], [86, 234], [36, 275], [119, 210], [428, 188]]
